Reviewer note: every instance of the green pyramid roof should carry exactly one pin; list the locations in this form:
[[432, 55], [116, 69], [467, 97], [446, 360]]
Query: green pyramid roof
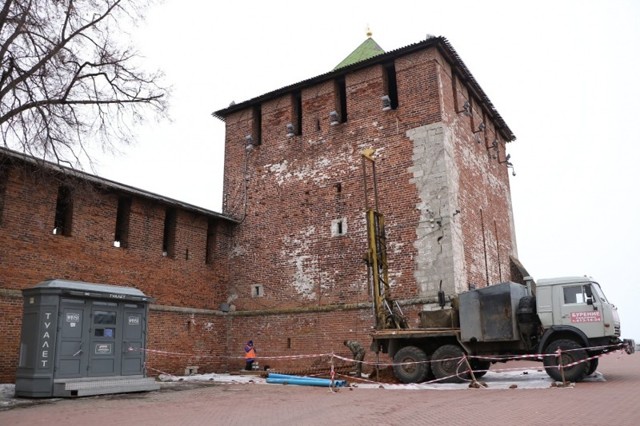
[[368, 49]]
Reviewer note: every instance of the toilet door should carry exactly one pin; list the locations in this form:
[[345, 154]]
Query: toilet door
[[72, 349], [105, 339], [133, 339]]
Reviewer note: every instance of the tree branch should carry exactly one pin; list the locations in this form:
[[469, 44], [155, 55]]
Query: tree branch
[[64, 81]]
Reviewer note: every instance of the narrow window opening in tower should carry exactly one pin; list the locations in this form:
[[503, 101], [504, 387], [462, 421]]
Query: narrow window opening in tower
[[64, 211], [256, 128], [169, 234], [257, 290], [121, 235], [211, 242], [339, 227], [4, 177], [297, 113], [391, 84], [341, 99]]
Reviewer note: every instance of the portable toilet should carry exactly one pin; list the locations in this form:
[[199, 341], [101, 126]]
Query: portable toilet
[[82, 339]]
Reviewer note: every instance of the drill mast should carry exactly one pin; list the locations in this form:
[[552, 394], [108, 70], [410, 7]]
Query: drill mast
[[388, 313]]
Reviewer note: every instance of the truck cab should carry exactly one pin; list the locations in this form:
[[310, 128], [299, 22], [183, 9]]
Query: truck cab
[[579, 304]]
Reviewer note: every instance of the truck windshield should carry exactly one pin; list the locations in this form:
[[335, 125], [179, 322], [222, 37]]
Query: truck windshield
[[597, 290]]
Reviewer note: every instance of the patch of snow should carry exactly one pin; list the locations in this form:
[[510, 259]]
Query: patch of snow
[[213, 377], [6, 392], [523, 379]]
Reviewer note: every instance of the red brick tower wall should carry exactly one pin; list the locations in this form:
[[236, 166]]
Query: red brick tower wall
[[288, 193]]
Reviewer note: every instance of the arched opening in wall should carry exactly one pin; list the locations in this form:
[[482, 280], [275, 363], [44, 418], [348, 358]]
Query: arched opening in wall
[[121, 236], [64, 211], [169, 234]]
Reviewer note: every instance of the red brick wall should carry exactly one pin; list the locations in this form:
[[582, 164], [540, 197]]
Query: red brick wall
[[31, 253], [309, 334], [10, 324], [180, 339]]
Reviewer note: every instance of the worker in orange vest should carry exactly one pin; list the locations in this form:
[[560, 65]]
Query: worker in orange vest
[[249, 355]]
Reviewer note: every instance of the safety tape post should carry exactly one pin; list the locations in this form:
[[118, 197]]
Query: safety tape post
[[559, 361], [474, 382], [332, 375]]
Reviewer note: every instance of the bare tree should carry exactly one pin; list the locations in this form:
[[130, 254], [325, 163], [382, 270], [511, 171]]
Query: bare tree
[[66, 83]]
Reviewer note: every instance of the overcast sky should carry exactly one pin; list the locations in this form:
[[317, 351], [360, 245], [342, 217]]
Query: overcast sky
[[563, 75]]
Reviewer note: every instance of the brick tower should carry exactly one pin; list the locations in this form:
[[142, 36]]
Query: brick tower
[[294, 181]]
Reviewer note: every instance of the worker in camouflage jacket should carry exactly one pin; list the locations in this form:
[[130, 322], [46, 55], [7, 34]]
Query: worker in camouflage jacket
[[358, 354]]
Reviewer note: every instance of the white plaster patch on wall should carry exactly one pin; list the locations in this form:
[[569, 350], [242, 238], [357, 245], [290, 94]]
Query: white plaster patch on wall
[[395, 247], [327, 282], [296, 246], [238, 251], [393, 277], [307, 277], [278, 168], [470, 159], [434, 175], [323, 169], [497, 185], [302, 276]]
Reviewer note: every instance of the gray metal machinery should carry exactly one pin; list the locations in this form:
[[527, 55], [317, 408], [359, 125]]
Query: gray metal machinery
[[82, 339]]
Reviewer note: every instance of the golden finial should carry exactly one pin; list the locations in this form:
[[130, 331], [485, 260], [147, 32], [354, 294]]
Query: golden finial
[[369, 33]]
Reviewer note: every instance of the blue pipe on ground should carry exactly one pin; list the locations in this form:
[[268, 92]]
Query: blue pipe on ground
[[303, 381]]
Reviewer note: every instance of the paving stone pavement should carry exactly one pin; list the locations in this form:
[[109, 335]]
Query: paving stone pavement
[[615, 401]]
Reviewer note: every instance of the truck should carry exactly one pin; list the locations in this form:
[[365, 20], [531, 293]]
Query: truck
[[566, 323]]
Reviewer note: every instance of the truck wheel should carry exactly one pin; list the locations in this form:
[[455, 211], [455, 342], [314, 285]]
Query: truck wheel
[[446, 365], [571, 352], [416, 371], [479, 366], [593, 365]]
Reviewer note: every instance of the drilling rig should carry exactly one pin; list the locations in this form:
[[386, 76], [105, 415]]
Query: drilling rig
[[388, 313], [568, 315]]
